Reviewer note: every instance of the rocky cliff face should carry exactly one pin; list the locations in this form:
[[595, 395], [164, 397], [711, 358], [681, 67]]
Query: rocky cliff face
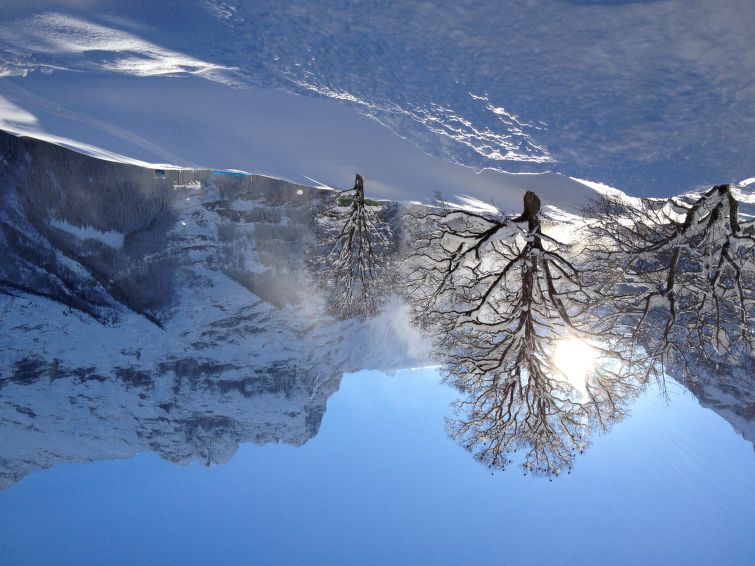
[[163, 310]]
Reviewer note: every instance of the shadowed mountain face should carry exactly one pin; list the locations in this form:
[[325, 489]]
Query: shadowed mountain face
[[175, 311], [162, 310]]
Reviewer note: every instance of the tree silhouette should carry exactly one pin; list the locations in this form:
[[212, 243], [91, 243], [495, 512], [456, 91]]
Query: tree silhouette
[[679, 275], [354, 270], [499, 301]]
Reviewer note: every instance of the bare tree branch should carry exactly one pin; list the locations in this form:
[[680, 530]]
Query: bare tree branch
[[354, 269], [499, 300], [679, 274]]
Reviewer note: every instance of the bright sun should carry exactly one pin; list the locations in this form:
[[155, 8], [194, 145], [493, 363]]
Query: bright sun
[[575, 359]]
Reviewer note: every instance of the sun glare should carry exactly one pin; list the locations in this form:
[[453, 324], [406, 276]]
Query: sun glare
[[575, 359]]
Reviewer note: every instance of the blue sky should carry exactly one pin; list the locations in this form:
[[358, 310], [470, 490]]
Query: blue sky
[[381, 483]]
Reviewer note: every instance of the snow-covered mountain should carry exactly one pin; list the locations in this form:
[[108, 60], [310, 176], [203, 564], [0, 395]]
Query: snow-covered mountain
[[168, 309], [164, 310]]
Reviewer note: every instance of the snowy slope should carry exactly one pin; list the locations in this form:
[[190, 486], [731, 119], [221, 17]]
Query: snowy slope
[[194, 122], [654, 97]]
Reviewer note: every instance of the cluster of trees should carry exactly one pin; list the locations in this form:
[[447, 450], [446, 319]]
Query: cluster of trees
[[646, 287], [643, 288]]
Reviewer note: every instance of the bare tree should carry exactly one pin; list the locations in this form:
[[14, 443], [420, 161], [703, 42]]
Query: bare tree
[[679, 275], [354, 270], [500, 300]]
